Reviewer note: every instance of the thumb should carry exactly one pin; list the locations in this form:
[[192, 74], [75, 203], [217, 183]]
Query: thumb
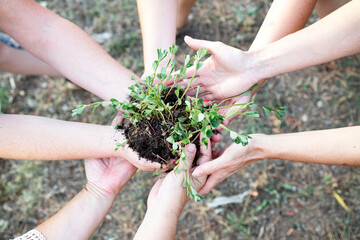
[[197, 44], [118, 118], [190, 151], [206, 169]]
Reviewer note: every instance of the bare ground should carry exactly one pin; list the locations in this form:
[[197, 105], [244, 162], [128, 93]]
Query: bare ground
[[287, 201]]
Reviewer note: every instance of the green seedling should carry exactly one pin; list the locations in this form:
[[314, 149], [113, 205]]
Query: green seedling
[[198, 117]]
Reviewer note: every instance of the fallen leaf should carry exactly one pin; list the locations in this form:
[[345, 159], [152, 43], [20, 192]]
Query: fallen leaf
[[288, 214], [341, 201], [289, 232]]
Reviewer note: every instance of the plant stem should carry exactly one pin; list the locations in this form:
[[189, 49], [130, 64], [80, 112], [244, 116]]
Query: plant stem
[[224, 127], [233, 105]]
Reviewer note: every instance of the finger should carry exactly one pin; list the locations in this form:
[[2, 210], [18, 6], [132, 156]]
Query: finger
[[226, 111], [207, 168], [141, 163], [197, 44], [211, 182], [202, 92], [190, 72], [118, 118], [205, 153], [190, 151], [217, 153], [216, 138]]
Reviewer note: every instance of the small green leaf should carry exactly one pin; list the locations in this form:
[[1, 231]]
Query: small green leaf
[[233, 135], [197, 92], [205, 141], [170, 139], [201, 116], [215, 122], [253, 106], [252, 114], [187, 60], [266, 111], [252, 10], [199, 65], [209, 133], [253, 87], [155, 65], [106, 103]]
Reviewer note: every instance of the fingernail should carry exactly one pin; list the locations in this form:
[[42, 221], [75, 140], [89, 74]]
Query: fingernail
[[190, 148]]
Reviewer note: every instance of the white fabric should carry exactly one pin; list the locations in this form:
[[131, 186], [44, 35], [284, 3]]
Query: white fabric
[[31, 235]]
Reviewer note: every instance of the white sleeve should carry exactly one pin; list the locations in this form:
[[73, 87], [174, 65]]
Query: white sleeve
[[31, 235]]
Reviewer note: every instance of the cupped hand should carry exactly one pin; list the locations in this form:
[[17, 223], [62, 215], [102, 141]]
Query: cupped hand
[[130, 155], [107, 176], [227, 162], [168, 192]]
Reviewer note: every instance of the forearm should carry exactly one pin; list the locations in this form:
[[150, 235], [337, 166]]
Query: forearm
[[21, 62], [158, 27], [158, 224], [283, 18], [65, 47], [336, 146], [39, 138], [79, 218], [335, 36]]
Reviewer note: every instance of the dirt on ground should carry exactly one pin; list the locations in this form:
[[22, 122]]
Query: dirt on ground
[[280, 199]]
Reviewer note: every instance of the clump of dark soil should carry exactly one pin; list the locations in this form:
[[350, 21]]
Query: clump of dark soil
[[148, 137]]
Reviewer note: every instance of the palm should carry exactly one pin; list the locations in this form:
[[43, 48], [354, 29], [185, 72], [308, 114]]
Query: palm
[[172, 183], [169, 190], [108, 174], [222, 75], [234, 107], [127, 153], [227, 162]]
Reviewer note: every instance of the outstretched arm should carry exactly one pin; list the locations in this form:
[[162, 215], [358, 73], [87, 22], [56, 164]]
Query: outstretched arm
[[65, 47], [336, 146], [283, 18], [168, 197], [84, 213], [158, 27], [230, 71], [336, 35], [40, 138]]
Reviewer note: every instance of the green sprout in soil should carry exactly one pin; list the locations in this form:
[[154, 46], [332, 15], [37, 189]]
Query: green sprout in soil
[[182, 119]]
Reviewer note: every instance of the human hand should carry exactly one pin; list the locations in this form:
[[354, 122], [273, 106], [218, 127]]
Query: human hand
[[227, 73], [227, 162], [107, 176], [129, 154], [168, 192]]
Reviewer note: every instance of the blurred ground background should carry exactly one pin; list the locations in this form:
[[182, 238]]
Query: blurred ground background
[[286, 200]]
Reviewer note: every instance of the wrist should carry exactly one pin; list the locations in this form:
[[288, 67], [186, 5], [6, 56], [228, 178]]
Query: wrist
[[260, 65], [162, 208], [258, 147], [98, 194]]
